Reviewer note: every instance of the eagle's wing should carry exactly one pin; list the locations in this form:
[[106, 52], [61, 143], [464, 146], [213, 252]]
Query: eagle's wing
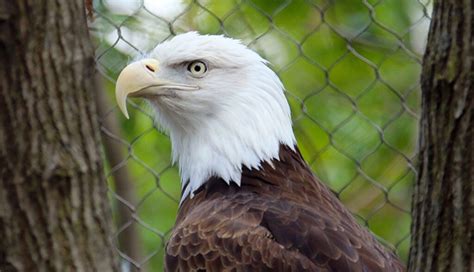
[[250, 233], [229, 237], [333, 243]]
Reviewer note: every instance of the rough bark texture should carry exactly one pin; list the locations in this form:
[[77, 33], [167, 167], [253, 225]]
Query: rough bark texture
[[54, 213], [443, 202]]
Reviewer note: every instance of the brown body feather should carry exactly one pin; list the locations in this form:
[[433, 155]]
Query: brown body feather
[[281, 218]]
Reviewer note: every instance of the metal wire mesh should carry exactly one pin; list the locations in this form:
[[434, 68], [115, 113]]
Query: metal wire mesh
[[351, 71]]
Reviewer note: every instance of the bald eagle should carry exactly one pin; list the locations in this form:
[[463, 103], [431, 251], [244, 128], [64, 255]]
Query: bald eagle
[[249, 200]]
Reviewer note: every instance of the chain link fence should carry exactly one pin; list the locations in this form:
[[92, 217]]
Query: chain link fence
[[351, 71]]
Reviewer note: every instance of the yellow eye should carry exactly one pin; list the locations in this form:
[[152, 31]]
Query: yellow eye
[[197, 68]]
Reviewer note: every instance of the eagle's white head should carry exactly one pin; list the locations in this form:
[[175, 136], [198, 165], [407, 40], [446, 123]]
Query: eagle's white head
[[221, 105]]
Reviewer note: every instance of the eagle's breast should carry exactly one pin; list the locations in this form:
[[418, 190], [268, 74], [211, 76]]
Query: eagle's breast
[[280, 219]]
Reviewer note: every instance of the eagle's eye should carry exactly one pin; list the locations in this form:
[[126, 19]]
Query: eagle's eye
[[197, 68]]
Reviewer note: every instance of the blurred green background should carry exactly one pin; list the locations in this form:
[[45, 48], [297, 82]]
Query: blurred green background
[[351, 70]]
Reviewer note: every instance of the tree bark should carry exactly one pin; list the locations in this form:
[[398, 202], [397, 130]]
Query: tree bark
[[443, 201], [54, 213]]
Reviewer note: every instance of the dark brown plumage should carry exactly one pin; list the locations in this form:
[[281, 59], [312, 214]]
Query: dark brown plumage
[[281, 218]]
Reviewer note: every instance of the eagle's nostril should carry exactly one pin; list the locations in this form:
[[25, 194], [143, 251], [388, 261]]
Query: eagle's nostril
[[150, 68]]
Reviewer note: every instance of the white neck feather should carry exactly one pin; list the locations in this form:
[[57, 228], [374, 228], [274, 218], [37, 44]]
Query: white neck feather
[[244, 134]]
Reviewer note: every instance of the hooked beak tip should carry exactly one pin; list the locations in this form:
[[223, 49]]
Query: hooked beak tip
[[132, 79], [121, 98]]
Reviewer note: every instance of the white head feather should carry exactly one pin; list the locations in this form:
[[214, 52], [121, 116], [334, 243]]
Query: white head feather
[[238, 117]]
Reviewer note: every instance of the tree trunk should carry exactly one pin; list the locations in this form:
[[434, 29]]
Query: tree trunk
[[54, 213], [443, 201]]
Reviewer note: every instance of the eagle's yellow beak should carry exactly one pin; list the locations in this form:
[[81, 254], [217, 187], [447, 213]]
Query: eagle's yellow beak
[[140, 79], [135, 78]]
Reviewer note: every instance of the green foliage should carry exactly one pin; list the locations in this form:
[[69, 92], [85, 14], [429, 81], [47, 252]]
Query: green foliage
[[351, 74]]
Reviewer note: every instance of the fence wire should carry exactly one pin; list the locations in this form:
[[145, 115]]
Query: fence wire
[[351, 71]]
